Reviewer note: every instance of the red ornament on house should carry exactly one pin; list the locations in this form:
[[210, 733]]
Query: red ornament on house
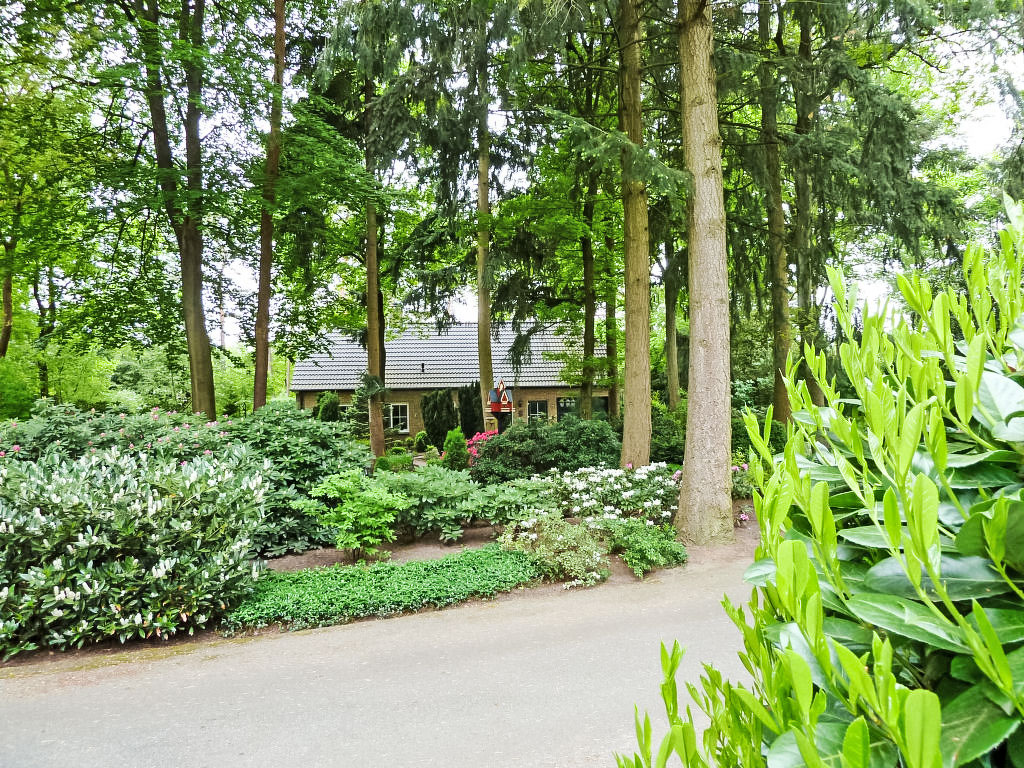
[[500, 398]]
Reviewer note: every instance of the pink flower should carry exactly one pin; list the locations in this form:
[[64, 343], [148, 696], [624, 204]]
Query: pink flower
[[15, 448], [735, 468], [131, 445], [177, 429], [207, 452], [744, 467], [2, 454], [629, 465], [103, 434], [156, 417]]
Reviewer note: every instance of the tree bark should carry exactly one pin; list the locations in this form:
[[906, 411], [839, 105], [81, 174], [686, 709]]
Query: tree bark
[[374, 345], [806, 106], [672, 290], [184, 211], [611, 339], [589, 300], [262, 362], [483, 238], [47, 312], [7, 301], [705, 500], [636, 432], [777, 257]]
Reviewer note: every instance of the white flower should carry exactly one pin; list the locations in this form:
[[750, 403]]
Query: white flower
[[57, 612]]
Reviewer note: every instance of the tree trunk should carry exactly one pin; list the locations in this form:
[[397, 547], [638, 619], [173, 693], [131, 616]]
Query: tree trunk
[[806, 105], [705, 500], [636, 432], [183, 211], [374, 321], [589, 300], [777, 257], [47, 312], [483, 240], [262, 362], [611, 339], [672, 289], [7, 301]]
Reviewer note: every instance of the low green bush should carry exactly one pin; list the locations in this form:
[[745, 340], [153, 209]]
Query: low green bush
[[887, 623], [562, 550], [644, 546], [436, 497], [525, 449], [420, 442], [395, 460], [357, 510], [115, 545], [338, 594], [501, 503], [668, 433], [456, 455]]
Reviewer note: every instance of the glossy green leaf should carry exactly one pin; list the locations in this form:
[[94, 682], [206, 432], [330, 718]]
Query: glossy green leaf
[[922, 725], [965, 578], [998, 398], [971, 538], [973, 726], [906, 618], [983, 475]]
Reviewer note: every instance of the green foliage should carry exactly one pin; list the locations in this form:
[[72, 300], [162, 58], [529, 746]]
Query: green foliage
[[742, 482], [119, 545], [395, 460], [644, 546], [500, 503], [668, 433], [328, 407], [524, 449], [456, 454], [360, 512], [340, 594], [420, 442], [301, 451], [561, 549], [471, 417], [18, 387], [886, 623], [437, 497], [598, 495], [439, 416]]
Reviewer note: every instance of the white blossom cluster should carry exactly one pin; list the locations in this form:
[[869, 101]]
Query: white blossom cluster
[[598, 495]]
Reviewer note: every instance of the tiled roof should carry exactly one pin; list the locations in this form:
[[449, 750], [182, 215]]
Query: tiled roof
[[422, 358]]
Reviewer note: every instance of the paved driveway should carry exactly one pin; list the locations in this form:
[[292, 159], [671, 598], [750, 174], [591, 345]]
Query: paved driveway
[[537, 678]]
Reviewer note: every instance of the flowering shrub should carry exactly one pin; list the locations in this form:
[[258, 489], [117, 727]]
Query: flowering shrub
[[476, 442], [301, 451], [599, 494], [560, 549], [502, 502], [121, 545], [742, 484]]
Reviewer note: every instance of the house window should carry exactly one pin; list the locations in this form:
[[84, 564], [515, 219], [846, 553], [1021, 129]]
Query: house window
[[396, 417], [537, 410], [567, 405]]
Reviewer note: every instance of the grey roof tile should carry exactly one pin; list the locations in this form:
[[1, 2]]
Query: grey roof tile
[[422, 358]]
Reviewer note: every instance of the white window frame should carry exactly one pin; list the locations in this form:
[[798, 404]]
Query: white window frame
[[532, 414], [389, 417]]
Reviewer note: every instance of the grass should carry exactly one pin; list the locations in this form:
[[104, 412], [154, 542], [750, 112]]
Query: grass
[[338, 594]]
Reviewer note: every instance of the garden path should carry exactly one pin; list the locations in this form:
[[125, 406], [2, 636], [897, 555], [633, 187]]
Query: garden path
[[536, 678]]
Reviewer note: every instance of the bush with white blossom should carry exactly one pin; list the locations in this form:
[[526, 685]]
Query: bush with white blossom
[[562, 550], [601, 495], [117, 545]]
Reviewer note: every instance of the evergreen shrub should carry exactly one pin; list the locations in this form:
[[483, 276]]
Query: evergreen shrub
[[525, 449], [439, 416], [471, 416], [115, 545], [421, 441], [456, 454], [887, 623], [328, 407]]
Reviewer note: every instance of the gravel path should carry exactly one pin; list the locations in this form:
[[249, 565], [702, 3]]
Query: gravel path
[[539, 677]]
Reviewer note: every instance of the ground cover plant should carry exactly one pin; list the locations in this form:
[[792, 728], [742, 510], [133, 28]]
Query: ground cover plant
[[887, 624], [338, 594], [115, 545]]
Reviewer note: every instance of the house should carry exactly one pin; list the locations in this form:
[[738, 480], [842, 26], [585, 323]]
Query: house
[[420, 360]]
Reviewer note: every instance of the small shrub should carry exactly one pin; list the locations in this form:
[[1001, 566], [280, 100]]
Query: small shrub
[[501, 503], [322, 596], [600, 494], [456, 455], [437, 497], [328, 407], [420, 442], [528, 449], [120, 545], [474, 443], [560, 549], [644, 546], [395, 460], [360, 512], [432, 455], [742, 483], [668, 435]]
